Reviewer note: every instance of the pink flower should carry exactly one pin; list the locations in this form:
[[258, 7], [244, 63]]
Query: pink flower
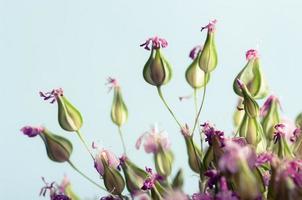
[[151, 179], [251, 54], [106, 156], [112, 83], [153, 140], [32, 131], [53, 95], [211, 133], [234, 155], [155, 42]]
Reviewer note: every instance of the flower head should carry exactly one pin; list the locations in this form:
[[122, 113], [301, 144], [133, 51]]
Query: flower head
[[251, 54], [151, 179], [52, 95], [105, 156], [265, 157], [153, 140], [32, 131], [211, 26], [155, 42], [112, 83], [279, 132], [211, 133]]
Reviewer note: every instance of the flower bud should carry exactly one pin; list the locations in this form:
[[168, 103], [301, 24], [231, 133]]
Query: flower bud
[[58, 148], [113, 180], [252, 76], [157, 71], [178, 180], [194, 75], [270, 116], [134, 176], [105, 156], [119, 111], [163, 161], [208, 58], [194, 156], [69, 117]]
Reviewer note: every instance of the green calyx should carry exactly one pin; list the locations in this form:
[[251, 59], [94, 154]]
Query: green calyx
[[252, 76], [119, 111], [157, 71], [208, 59], [58, 148], [163, 162], [69, 117]]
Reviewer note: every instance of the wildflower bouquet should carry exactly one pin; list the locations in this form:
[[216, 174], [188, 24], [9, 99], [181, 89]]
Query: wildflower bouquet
[[262, 160]]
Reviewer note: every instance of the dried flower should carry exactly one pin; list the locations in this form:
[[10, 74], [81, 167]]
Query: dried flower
[[32, 131]]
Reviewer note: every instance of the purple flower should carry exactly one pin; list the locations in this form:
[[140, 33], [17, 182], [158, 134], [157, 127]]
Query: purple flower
[[53, 95], [153, 140], [156, 43], [195, 51], [202, 196], [234, 155], [290, 169], [60, 197], [32, 131], [265, 157], [213, 177], [105, 156], [211, 134], [267, 104], [151, 179], [110, 197]]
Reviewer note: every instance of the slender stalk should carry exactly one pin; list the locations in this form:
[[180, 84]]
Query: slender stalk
[[167, 106], [201, 105], [196, 112], [122, 139], [85, 143], [86, 177]]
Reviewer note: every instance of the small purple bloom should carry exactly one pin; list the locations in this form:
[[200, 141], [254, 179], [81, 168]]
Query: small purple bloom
[[213, 177], [224, 193], [212, 133], [32, 131], [251, 54], [279, 132], [211, 26], [265, 157], [108, 157], [202, 196], [60, 197], [155, 42], [151, 179], [153, 140], [110, 197], [195, 51], [53, 95]]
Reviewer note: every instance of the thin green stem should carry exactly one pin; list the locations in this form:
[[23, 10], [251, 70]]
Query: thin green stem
[[167, 106], [86, 177], [85, 143], [122, 139], [202, 102], [196, 112]]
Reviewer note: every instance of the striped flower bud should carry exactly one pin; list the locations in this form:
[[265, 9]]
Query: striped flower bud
[[58, 148], [163, 161], [194, 75], [178, 180], [252, 76], [69, 117], [119, 111], [208, 58], [157, 71]]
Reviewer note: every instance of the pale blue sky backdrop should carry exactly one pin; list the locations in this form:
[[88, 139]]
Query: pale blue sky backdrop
[[77, 44]]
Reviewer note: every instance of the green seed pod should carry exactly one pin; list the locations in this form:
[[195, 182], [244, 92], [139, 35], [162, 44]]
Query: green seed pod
[[58, 148], [270, 113], [252, 76], [134, 176], [113, 180], [238, 114], [157, 71], [178, 180], [194, 158], [163, 161], [194, 75], [69, 117], [208, 59], [299, 121], [119, 111]]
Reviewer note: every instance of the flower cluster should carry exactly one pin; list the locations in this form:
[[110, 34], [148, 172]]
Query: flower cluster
[[261, 159]]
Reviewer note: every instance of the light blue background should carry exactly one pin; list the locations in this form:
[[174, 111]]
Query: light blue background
[[76, 44]]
